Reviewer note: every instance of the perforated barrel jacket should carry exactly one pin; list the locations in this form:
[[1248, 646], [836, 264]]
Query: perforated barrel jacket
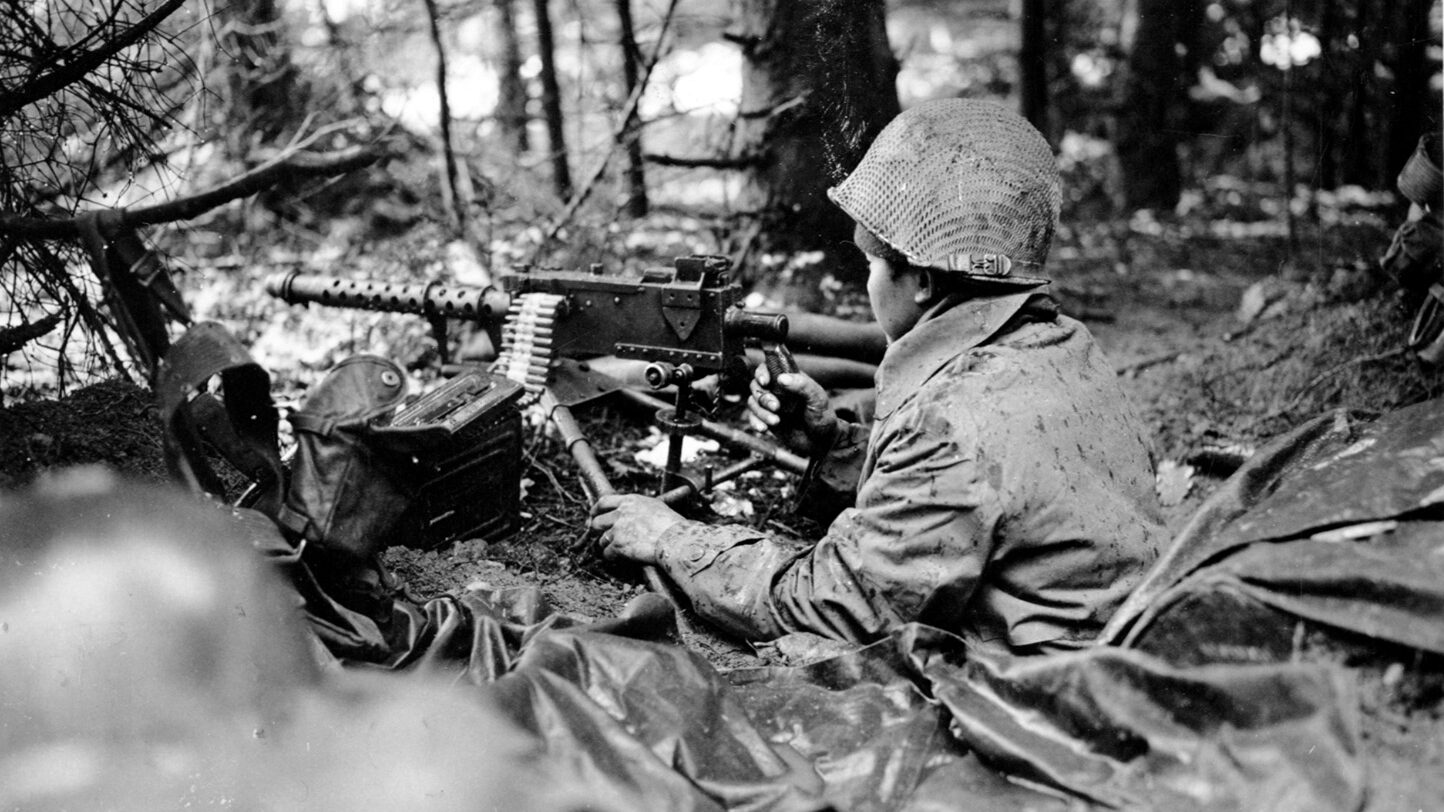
[[1005, 492]]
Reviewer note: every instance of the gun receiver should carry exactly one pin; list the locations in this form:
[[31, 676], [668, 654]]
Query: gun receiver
[[687, 314]]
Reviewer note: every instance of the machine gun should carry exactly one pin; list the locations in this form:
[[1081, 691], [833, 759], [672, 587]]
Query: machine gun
[[684, 322]]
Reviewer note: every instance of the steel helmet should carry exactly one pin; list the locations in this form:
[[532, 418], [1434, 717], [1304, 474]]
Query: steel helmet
[[959, 185]]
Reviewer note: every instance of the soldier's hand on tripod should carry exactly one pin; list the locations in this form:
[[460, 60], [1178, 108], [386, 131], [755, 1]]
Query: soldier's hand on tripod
[[808, 429], [631, 525]]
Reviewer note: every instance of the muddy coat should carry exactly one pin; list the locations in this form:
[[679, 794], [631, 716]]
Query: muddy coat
[[1005, 492]]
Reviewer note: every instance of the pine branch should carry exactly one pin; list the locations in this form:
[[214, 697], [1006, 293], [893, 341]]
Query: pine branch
[[73, 71]]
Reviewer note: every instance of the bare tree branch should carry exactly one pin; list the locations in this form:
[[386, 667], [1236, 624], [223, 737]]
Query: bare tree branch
[[739, 162], [297, 163], [13, 338]]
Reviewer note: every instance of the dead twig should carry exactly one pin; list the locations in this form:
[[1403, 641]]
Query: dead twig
[[1331, 372], [13, 338], [1142, 364], [556, 483]]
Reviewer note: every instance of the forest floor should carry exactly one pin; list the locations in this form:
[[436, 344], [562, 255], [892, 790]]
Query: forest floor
[[1222, 336]]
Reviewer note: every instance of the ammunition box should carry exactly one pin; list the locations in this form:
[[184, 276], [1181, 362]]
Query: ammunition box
[[474, 489]]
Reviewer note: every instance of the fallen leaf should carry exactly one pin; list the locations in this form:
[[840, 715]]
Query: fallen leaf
[[656, 456], [726, 503], [1173, 481]]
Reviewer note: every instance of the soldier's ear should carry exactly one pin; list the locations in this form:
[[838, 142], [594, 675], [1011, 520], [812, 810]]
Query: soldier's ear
[[927, 288]]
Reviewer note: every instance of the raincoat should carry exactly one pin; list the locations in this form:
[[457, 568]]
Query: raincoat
[[1005, 493]]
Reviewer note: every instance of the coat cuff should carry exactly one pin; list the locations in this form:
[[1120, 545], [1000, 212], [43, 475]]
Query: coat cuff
[[726, 572]]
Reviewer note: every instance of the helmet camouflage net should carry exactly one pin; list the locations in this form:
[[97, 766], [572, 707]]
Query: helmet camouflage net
[[959, 185]]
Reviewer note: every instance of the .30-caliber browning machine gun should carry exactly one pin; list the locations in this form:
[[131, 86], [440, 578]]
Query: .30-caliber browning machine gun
[[685, 322]]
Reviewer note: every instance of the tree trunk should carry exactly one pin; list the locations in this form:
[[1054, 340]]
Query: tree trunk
[[1286, 123], [1411, 96], [636, 179], [352, 90], [818, 84], [1033, 66], [552, 102], [511, 106], [262, 81], [1148, 139], [1362, 144], [1331, 98], [449, 185]]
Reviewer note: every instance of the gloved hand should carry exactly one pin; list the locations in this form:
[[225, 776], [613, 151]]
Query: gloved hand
[[811, 429], [631, 525]]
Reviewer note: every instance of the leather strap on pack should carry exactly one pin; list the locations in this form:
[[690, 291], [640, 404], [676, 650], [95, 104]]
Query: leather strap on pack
[[136, 285], [242, 429]]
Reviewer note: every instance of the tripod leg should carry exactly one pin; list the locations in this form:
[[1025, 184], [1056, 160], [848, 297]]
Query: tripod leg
[[595, 478]]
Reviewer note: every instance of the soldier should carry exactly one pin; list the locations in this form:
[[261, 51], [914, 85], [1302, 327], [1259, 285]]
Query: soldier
[[150, 658], [1005, 491], [1413, 258]]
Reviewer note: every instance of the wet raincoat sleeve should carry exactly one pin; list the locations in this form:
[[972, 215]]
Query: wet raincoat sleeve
[[915, 545]]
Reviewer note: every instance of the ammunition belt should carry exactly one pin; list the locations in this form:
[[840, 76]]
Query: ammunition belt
[[526, 341]]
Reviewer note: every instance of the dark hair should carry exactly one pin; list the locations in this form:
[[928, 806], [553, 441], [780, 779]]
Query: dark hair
[[870, 243]]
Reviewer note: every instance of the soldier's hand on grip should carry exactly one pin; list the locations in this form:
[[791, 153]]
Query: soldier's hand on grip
[[631, 525], [810, 428]]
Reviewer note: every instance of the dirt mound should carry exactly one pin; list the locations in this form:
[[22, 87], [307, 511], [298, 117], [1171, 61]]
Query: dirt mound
[[114, 423]]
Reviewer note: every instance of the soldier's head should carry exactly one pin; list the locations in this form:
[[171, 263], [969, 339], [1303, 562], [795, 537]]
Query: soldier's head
[[954, 196], [149, 656], [136, 626]]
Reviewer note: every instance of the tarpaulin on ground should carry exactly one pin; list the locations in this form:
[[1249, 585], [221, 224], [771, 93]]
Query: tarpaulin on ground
[[1191, 710], [916, 721], [1338, 523], [1197, 706]]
